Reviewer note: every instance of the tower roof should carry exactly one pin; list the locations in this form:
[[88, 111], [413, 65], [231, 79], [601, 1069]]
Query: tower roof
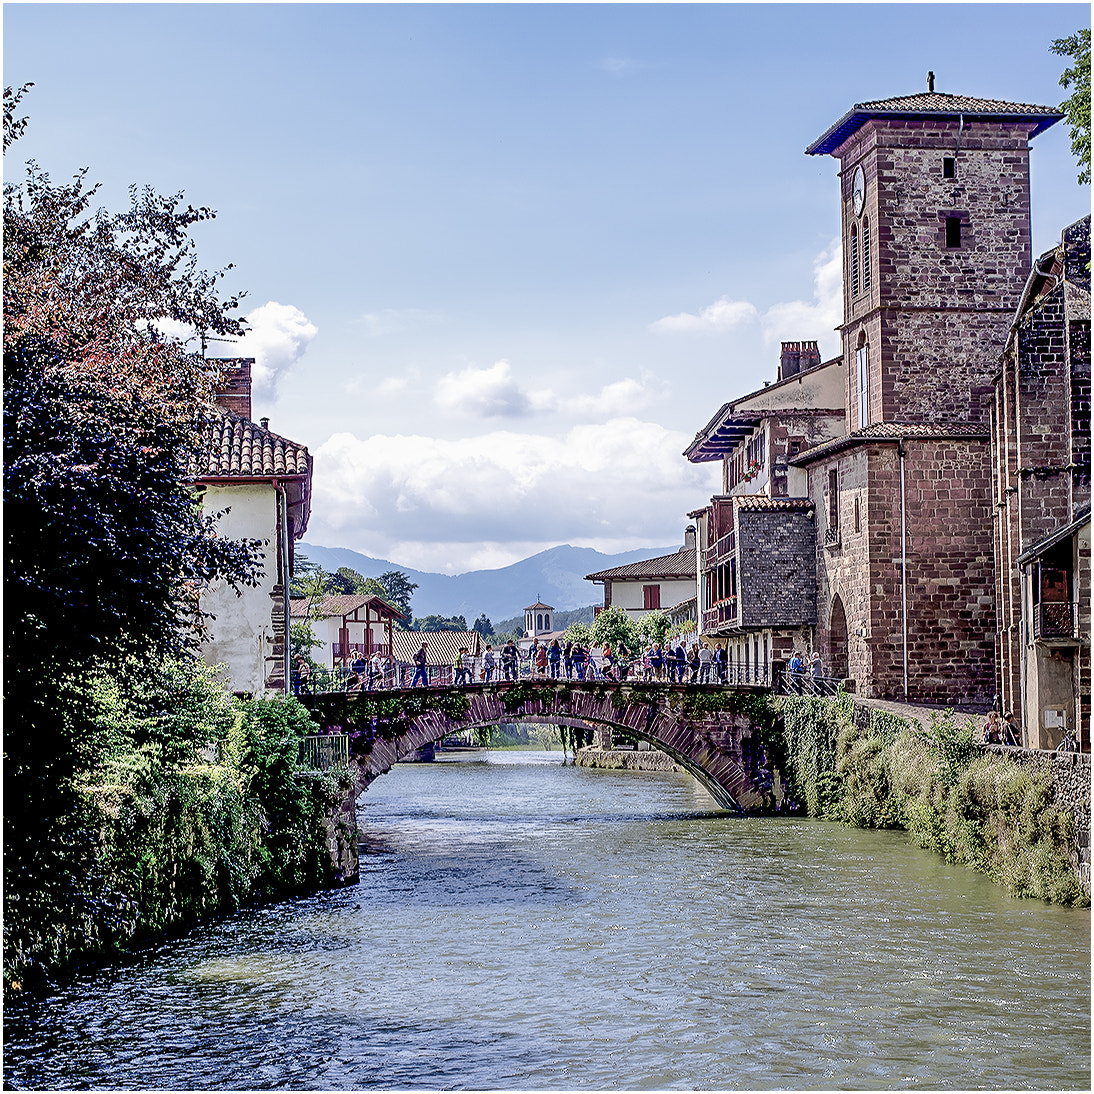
[[935, 104]]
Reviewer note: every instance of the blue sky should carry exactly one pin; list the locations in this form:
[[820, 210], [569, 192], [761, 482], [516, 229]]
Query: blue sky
[[503, 261]]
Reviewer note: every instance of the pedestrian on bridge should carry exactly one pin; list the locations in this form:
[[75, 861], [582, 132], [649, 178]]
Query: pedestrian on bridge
[[488, 662], [420, 671], [554, 656], [460, 666], [509, 655]]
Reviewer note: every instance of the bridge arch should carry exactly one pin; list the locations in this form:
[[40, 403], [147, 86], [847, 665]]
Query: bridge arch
[[712, 731]]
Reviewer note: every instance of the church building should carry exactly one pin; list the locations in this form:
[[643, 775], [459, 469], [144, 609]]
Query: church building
[[934, 192]]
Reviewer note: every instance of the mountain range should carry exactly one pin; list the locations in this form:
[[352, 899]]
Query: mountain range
[[555, 576]]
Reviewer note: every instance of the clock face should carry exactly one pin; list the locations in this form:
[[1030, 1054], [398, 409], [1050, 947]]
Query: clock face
[[858, 190]]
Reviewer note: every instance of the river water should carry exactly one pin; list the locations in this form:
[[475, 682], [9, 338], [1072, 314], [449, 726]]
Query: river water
[[524, 925]]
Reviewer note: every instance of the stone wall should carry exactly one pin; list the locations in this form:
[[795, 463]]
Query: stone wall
[[777, 552], [625, 759]]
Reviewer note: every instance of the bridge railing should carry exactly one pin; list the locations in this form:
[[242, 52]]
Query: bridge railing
[[805, 683], [324, 751], [635, 670]]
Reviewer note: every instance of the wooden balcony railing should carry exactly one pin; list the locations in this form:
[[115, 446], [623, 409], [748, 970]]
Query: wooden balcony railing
[[721, 613], [1056, 619]]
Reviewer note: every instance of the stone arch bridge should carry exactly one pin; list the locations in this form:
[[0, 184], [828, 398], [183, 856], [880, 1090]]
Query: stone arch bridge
[[712, 731]]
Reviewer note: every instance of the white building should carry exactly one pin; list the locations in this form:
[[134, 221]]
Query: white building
[[261, 484], [655, 584]]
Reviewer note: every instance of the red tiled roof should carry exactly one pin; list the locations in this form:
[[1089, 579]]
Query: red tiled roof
[[680, 564], [441, 647], [933, 104], [342, 604], [890, 432], [762, 501], [236, 447]]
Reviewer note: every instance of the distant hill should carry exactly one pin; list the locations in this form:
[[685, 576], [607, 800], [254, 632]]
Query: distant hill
[[555, 576]]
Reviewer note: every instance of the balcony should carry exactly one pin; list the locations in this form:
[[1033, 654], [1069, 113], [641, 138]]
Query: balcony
[[1056, 621], [722, 549], [352, 649], [722, 613]]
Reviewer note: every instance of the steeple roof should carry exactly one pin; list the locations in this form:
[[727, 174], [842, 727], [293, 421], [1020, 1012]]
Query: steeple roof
[[933, 104]]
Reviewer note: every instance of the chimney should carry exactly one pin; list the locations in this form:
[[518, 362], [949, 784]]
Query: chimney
[[797, 357], [790, 361], [930, 81], [233, 392], [689, 538]]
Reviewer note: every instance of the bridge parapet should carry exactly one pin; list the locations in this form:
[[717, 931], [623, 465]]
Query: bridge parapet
[[716, 733]]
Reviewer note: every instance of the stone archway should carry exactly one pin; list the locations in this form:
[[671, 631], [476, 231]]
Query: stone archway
[[837, 640], [713, 732]]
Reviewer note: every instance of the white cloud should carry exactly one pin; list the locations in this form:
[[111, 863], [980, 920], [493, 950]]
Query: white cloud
[[440, 504], [723, 315], [800, 319], [279, 335], [623, 397], [495, 392], [787, 320], [490, 393], [397, 320]]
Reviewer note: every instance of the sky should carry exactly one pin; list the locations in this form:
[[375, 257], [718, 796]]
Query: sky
[[504, 261]]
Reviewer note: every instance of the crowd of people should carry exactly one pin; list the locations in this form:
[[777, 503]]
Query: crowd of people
[[698, 663]]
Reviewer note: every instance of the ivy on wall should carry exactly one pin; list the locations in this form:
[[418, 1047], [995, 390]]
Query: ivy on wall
[[982, 810]]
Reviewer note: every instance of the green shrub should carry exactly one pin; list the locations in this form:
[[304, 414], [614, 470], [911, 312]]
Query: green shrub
[[983, 811]]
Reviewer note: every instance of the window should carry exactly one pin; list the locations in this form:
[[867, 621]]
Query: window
[[949, 167], [651, 597], [863, 387], [832, 535], [865, 254], [854, 260], [858, 523], [953, 232]]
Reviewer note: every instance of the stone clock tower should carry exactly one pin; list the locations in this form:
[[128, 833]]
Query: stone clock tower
[[934, 192]]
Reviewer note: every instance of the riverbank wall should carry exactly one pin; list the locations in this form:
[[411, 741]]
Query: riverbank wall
[[1020, 816], [625, 759]]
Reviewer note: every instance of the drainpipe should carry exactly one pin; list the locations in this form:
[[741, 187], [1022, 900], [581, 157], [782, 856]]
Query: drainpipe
[[286, 575], [903, 566]]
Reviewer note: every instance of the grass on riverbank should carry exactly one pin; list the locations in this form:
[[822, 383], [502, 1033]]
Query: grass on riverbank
[[982, 811]]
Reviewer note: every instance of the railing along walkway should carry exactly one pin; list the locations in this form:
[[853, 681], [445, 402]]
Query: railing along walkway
[[638, 670]]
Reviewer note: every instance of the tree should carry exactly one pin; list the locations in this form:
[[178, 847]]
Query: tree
[[1077, 77], [483, 626], [615, 627], [398, 590], [440, 623], [654, 627], [106, 548], [345, 582]]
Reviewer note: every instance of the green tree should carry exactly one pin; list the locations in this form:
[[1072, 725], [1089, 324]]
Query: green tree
[[106, 548], [1077, 79], [302, 641], [398, 589], [580, 633], [483, 626], [654, 627], [616, 628], [345, 582], [440, 623]]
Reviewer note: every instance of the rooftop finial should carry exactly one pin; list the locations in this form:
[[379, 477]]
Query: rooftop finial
[[930, 81]]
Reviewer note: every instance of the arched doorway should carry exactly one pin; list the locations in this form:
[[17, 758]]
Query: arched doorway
[[837, 641]]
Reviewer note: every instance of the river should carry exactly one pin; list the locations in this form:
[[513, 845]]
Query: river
[[524, 925]]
